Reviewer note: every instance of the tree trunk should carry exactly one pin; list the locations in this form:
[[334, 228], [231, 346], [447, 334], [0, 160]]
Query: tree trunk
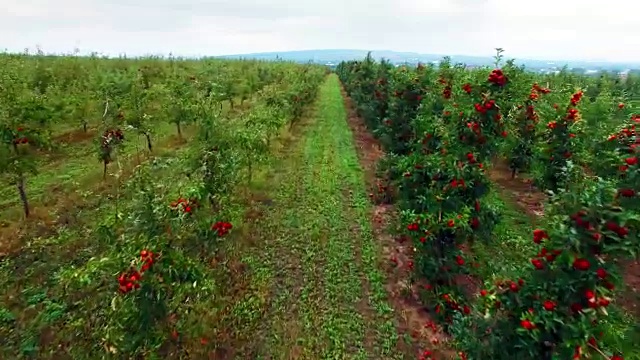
[[513, 173], [23, 195], [84, 126], [149, 146], [104, 170], [179, 130]]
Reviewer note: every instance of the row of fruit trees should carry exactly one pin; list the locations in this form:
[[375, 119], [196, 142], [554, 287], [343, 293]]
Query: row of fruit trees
[[158, 246], [442, 127]]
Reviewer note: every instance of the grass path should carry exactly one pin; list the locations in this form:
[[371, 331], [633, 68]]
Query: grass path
[[316, 291]]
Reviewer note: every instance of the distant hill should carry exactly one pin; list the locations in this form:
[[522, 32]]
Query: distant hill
[[327, 56]]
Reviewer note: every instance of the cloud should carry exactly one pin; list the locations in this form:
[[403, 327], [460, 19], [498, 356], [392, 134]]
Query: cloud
[[545, 29]]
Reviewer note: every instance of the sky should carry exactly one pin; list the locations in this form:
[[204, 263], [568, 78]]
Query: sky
[[541, 29]]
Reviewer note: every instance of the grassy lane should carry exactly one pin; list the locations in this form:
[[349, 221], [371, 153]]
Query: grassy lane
[[316, 291]]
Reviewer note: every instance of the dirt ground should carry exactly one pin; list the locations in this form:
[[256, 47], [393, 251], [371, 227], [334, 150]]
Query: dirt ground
[[414, 320]]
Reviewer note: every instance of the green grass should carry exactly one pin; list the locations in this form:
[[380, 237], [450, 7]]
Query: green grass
[[75, 165], [80, 164], [507, 254], [316, 291]]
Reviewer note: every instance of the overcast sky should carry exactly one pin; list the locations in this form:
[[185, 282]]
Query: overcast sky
[[540, 29]]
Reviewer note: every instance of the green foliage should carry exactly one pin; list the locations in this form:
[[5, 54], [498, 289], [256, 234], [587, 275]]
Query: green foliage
[[443, 127], [143, 280]]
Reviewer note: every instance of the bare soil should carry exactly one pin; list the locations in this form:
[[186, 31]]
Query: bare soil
[[412, 320]]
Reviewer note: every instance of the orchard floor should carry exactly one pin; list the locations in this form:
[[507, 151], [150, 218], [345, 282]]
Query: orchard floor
[[313, 271], [313, 282]]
